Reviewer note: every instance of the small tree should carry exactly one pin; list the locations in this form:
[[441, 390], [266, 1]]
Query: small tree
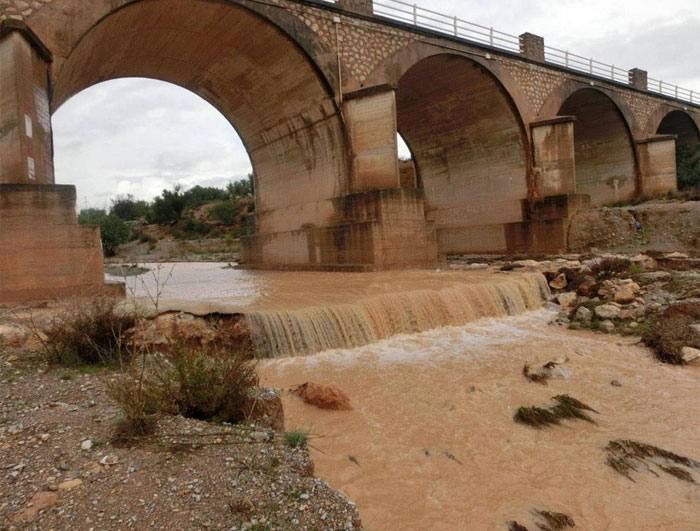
[[241, 188], [114, 231], [168, 207], [128, 208]]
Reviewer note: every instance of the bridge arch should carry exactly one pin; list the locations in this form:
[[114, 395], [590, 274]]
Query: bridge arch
[[605, 153], [470, 148], [681, 124], [258, 77]]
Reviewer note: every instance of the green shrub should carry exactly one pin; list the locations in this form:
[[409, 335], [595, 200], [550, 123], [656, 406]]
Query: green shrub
[[91, 332], [207, 384], [129, 209], [688, 167], [226, 212], [199, 195], [191, 228], [168, 207], [296, 439], [113, 230], [240, 189]]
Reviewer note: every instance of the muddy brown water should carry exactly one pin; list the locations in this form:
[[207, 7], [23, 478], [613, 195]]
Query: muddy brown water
[[431, 444], [437, 448]]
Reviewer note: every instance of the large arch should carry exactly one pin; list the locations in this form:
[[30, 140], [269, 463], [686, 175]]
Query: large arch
[[470, 149], [255, 74], [606, 160]]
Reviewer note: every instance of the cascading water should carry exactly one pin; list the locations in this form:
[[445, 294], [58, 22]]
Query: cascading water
[[312, 329]]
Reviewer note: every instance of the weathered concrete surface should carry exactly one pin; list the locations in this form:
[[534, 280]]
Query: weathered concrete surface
[[657, 165], [45, 253], [318, 91]]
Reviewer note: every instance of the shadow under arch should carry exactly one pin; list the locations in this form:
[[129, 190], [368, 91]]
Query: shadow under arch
[[470, 148], [605, 152], [680, 123], [251, 71]]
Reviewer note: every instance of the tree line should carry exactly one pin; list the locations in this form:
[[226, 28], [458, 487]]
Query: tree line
[[172, 207]]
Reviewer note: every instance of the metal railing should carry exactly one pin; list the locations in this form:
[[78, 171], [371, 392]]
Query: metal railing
[[456, 27]]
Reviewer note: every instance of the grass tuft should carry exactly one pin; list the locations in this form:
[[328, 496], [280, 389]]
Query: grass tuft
[[551, 521], [626, 457], [296, 439], [566, 407]]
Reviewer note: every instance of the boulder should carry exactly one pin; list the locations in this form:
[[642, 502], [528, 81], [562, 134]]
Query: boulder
[[646, 262], [323, 397], [608, 311], [566, 300], [583, 315], [690, 354], [626, 293], [607, 326], [559, 282], [655, 276], [587, 286]]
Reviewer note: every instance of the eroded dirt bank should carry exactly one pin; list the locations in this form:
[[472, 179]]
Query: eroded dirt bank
[[431, 442]]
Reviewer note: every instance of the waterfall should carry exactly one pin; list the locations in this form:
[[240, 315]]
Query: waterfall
[[278, 333]]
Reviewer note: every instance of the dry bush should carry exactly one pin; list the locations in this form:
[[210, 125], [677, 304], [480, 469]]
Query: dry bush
[[610, 267], [91, 332], [204, 384], [670, 332]]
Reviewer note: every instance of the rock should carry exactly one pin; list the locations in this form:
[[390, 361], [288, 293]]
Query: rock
[[323, 397], [583, 315], [647, 262], [39, 502], [607, 326], [87, 444], [13, 336], [616, 383], [70, 484], [655, 276], [587, 286], [676, 255], [476, 267], [567, 300], [690, 354], [695, 329], [526, 263], [607, 311], [626, 293], [109, 460], [559, 282]]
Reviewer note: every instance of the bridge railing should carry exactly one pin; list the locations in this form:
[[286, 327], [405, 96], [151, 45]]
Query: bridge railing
[[411, 13]]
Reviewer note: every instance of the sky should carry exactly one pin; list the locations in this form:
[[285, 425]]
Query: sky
[[138, 136]]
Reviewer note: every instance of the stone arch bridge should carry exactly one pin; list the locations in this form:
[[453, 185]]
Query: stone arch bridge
[[506, 147]]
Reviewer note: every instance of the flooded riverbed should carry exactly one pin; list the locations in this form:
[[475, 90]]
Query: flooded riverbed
[[431, 443]]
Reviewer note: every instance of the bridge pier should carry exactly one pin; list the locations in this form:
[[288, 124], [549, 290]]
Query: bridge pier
[[376, 224], [44, 253], [657, 165]]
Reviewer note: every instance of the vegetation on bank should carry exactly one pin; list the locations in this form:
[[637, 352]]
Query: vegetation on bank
[[200, 212], [688, 168]]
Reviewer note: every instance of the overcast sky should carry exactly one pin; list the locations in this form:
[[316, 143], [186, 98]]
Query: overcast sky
[[136, 136]]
